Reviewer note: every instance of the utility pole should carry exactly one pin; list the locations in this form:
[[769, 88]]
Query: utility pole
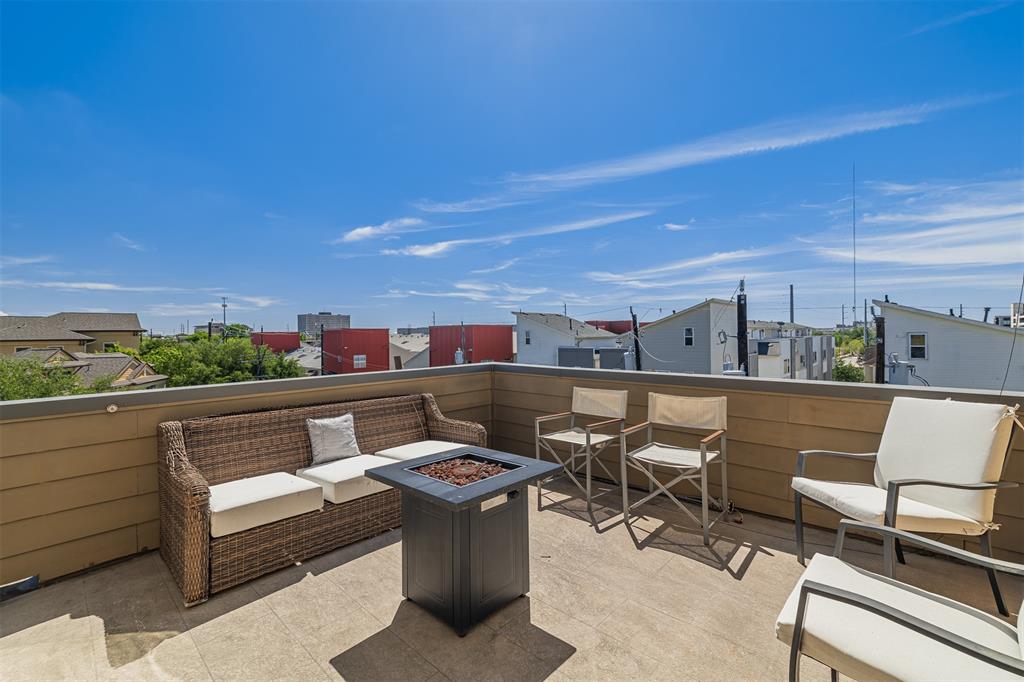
[[741, 328], [880, 359], [565, 309], [865, 323], [224, 309], [322, 371], [855, 254], [843, 324], [209, 330], [433, 318], [636, 340], [791, 318], [961, 310]]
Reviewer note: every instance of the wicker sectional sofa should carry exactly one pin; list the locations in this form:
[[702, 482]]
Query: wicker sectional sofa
[[204, 453]]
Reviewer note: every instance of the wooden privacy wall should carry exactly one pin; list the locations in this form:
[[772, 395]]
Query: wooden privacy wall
[[80, 488], [766, 429]]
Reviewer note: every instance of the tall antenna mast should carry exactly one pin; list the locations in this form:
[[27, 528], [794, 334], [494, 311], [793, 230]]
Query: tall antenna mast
[[855, 247]]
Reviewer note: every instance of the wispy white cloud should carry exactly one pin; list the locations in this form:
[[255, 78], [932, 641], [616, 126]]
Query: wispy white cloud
[[957, 18], [386, 228], [717, 258], [679, 227], [127, 243], [88, 286], [504, 265], [478, 292], [443, 247], [14, 261], [474, 205], [768, 137]]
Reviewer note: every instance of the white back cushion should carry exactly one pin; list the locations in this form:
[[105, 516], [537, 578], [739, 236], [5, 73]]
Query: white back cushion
[[686, 411], [599, 402], [949, 441], [332, 438]]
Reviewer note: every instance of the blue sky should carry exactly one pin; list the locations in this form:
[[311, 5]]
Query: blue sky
[[399, 161]]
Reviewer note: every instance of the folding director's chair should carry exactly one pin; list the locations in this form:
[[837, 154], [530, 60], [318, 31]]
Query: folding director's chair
[[689, 464], [585, 442]]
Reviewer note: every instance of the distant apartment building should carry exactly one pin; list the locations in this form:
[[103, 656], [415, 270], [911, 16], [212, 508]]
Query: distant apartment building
[[761, 329], [795, 357], [70, 331], [408, 331], [541, 337], [309, 323], [923, 347]]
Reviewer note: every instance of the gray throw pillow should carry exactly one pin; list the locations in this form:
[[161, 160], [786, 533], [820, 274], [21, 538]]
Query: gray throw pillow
[[332, 438]]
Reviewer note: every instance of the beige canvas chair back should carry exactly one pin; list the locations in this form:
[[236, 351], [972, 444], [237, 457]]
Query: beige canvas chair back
[[945, 440], [599, 402], [686, 412]]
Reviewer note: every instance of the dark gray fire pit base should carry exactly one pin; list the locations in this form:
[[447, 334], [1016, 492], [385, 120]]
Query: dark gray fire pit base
[[465, 550]]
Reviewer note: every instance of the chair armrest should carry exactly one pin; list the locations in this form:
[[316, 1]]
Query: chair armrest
[[802, 456], [601, 425], [922, 627], [713, 437], [184, 515], [630, 430], [932, 545], [441, 427], [892, 497]]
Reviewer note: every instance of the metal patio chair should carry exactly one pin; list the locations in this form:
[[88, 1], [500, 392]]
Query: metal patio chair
[[937, 470], [585, 442], [688, 464], [870, 627]]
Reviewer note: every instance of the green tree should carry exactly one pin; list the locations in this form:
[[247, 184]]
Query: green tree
[[842, 371], [26, 378], [118, 348], [280, 366]]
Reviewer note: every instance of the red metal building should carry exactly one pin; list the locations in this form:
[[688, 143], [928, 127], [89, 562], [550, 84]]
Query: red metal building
[[615, 326], [279, 342], [355, 350], [479, 343]]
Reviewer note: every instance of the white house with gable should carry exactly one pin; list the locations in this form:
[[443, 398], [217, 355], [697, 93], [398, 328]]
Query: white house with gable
[[950, 351], [540, 335], [691, 340]]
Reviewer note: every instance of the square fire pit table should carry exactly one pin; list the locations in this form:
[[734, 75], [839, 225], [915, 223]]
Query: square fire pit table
[[465, 544]]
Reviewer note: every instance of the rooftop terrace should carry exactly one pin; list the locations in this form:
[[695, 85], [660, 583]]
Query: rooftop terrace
[[78, 502]]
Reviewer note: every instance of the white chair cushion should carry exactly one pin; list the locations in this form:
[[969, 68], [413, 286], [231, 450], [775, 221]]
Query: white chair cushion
[[577, 436], [670, 455], [945, 440], [249, 502], [865, 646], [419, 449], [865, 502], [342, 480]]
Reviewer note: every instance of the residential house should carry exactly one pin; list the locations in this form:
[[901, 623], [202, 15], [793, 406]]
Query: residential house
[[925, 347], [698, 340], [803, 357], [409, 351], [540, 335], [52, 357], [124, 371], [70, 331], [309, 358]]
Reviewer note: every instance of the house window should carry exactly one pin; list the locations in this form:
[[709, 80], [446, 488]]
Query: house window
[[359, 361], [918, 345], [688, 336], [526, 338]]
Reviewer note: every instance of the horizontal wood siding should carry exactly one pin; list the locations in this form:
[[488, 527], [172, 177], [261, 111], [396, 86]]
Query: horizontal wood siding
[[80, 489], [766, 429]]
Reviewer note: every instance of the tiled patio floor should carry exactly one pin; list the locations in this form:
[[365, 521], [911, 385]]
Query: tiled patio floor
[[599, 608]]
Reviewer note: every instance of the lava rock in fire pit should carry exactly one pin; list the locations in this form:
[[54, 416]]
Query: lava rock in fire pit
[[461, 471]]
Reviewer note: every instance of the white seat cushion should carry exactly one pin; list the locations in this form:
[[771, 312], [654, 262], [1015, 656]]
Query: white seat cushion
[[865, 646], [866, 502], [671, 455], [342, 480], [420, 448], [249, 502], [577, 436]]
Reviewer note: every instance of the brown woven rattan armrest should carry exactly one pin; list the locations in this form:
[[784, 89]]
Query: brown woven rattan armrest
[[441, 427], [184, 515]]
